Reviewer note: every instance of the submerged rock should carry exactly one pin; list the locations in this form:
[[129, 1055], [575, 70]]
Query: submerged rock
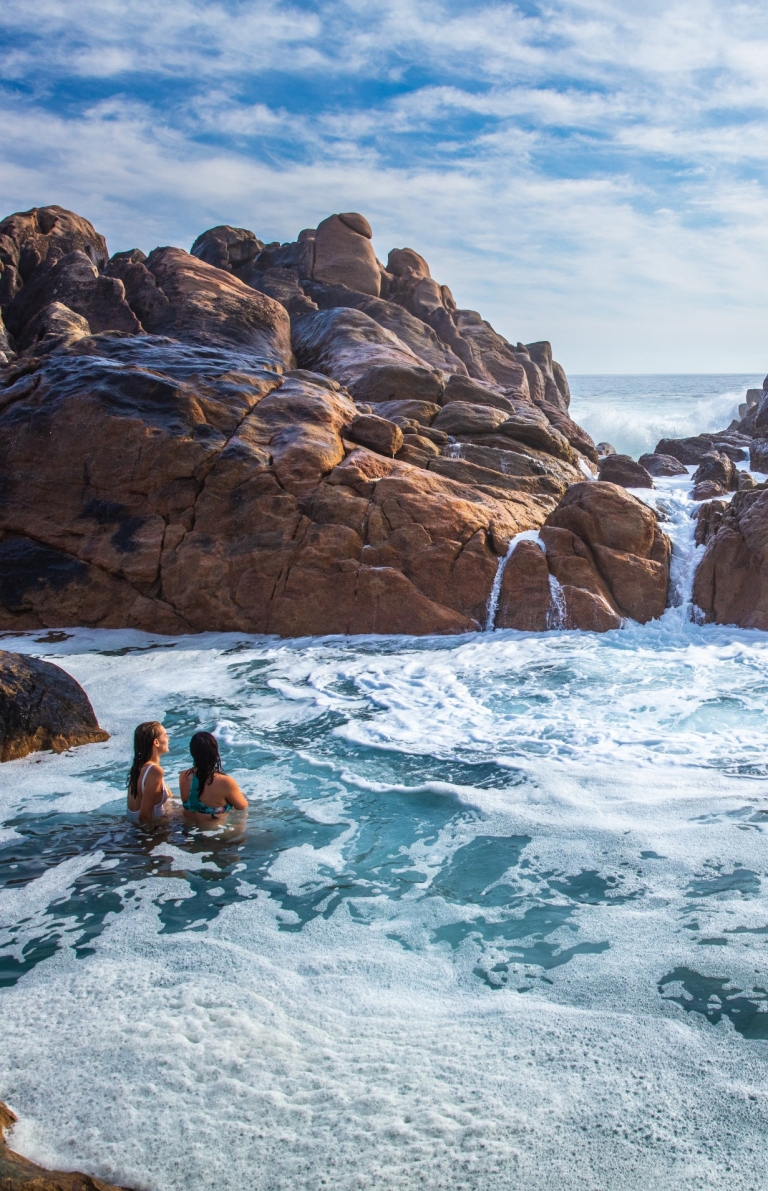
[[42, 707]]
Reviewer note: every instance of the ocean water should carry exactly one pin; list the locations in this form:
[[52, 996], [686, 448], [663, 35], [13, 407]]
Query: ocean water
[[496, 917], [634, 412]]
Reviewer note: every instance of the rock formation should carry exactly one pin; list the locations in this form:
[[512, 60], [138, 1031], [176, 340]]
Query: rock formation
[[622, 470], [288, 438], [608, 558], [19, 1174], [731, 582], [42, 707]]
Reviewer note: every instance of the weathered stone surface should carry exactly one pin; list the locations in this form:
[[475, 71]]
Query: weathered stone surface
[[346, 344], [42, 707], [707, 490], [344, 254], [376, 433], [557, 392], [422, 413], [525, 600], [745, 481], [693, 450], [208, 305], [228, 248], [662, 465], [73, 281], [605, 448], [709, 520], [17, 1173], [758, 455], [731, 582], [630, 552], [474, 392], [283, 286], [56, 326], [716, 468], [414, 332], [29, 237], [393, 382], [572, 432], [622, 469]]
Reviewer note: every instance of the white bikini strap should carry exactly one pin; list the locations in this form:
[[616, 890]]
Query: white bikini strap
[[144, 776]]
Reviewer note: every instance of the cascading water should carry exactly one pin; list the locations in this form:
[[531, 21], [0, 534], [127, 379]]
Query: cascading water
[[557, 613], [528, 535]]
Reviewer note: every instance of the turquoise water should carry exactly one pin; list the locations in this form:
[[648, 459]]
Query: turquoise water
[[495, 918]]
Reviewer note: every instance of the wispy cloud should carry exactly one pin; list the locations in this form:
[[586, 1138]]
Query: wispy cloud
[[592, 172]]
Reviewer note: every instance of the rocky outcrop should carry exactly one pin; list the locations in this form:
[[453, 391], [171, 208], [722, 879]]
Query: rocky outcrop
[[605, 558], [42, 707], [731, 582], [662, 465], [167, 466], [622, 470], [19, 1174]]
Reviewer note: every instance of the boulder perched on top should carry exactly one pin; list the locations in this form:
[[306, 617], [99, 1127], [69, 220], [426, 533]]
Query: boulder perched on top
[[344, 254], [622, 469], [42, 707], [29, 237]]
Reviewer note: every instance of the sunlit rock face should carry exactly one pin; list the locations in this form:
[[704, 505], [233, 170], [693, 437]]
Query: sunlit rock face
[[288, 438]]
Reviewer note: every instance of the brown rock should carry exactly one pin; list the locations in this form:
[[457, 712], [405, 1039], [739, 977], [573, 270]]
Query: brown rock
[[422, 413], [461, 418], [375, 433], [228, 248], [42, 707], [17, 1172], [731, 582], [28, 237], [707, 490], [525, 600], [490, 479], [572, 432], [605, 448], [622, 469], [474, 392], [709, 520], [344, 254], [745, 481], [390, 382], [346, 344], [283, 286], [716, 468], [557, 392], [56, 326], [662, 465], [73, 281], [207, 305], [630, 552]]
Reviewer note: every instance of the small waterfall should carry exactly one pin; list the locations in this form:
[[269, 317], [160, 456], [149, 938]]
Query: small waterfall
[[557, 613], [528, 535]]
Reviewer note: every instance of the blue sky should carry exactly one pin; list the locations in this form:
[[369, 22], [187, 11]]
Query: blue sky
[[592, 173]]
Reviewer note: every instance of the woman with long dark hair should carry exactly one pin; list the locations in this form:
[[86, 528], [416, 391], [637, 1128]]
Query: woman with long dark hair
[[147, 791], [205, 790]]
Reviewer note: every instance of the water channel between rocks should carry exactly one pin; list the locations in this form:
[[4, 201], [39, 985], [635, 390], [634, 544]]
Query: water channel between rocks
[[497, 918]]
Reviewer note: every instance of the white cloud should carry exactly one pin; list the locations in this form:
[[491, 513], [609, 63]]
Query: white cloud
[[595, 174]]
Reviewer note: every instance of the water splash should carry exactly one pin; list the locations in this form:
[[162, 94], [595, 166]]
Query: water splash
[[528, 535], [557, 612]]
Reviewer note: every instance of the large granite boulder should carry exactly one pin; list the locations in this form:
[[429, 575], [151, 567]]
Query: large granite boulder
[[42, 707], [622, 469], [228, 248], [731, 582], [608, 559], [716, 468]]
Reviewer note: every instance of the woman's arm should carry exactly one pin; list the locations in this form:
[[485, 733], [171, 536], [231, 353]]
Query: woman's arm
[[185, 781], [234, 795], [151, 790]]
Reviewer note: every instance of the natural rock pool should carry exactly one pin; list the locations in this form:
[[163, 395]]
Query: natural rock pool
[[497, 917]]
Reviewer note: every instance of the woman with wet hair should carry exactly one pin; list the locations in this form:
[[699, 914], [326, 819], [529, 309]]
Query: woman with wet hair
[[205, 790], [147, 791]]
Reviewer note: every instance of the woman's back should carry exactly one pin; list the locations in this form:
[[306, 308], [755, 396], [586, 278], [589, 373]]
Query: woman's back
[[220, 794]]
